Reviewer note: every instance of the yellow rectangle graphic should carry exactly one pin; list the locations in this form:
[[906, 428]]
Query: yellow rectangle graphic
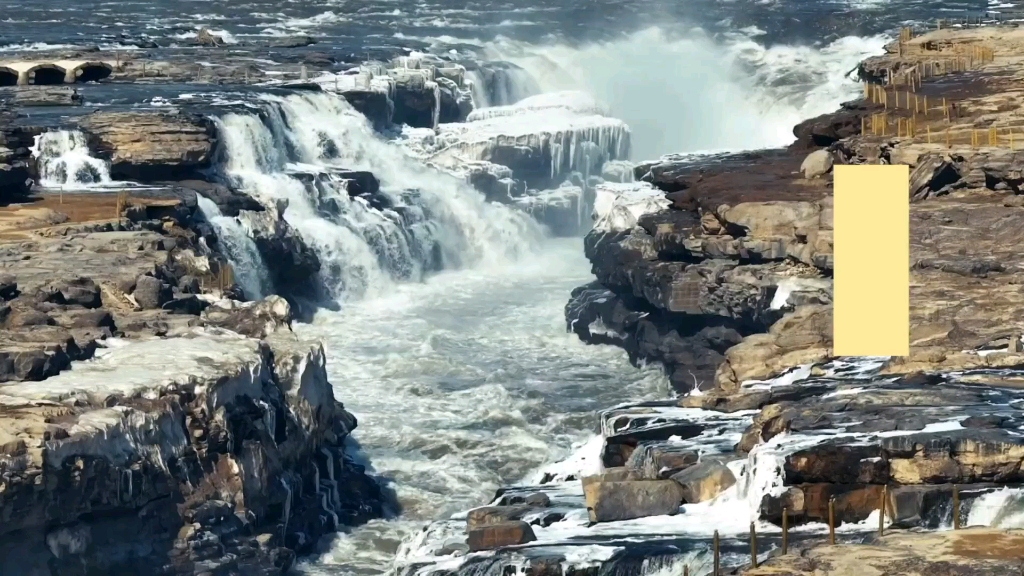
[[871, 310]]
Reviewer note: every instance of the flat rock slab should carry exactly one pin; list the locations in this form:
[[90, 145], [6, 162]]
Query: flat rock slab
[[973, 552]]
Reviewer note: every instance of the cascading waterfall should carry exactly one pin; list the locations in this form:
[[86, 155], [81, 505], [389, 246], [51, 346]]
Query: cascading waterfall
[[64, 161], [420, 221], [249, 267], [501, 84]]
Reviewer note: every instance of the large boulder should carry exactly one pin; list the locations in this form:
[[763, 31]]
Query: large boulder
[[625, 500], [704, 481], [150, 293], [768, 219], [817, 164], [151, 146], [803, 336], [499, 535]]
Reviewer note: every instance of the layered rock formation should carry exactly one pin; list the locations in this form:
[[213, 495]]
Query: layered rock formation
[[148, 422], [226, 456], [144, 146]]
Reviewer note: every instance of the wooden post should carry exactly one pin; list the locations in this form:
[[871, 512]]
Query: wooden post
[[832, 520], [926, 107], [686, 570], [929, 128], [863, 126], [947, 138], [917, 107], [717, 556], [956, 507], [785, 531], [143, 68], [885, 488], [753, 546]]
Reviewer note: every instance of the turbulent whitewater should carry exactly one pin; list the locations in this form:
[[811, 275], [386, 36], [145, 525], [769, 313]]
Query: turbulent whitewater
[[421, 220]]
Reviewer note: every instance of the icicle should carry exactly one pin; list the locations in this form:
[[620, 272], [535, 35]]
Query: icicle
[[330, 474], [287, 506]]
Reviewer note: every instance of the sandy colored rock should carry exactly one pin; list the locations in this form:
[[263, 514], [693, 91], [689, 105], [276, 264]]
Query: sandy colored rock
[[625, 500], [971, 552], [499, 535]]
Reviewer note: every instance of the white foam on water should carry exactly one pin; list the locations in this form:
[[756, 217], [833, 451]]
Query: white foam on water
[[691, 92], [293, 155], [465, 383], [65, 161], [1002, 508]]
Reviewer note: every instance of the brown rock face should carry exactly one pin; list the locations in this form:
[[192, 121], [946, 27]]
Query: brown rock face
[[625, 500], [146, 146], [809, 502], [499, 535], [803, 336]]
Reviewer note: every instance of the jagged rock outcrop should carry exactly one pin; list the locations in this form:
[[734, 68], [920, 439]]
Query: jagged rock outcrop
[[229, 457], [151, 146], [294, 267]]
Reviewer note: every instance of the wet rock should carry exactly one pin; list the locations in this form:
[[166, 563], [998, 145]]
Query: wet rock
[[294, 266], [360, 182], [704, 481], [206, 38], [500, 535], [625, 500], [836, 463], [611, 474], [490, 515], [292, 42], [660, 460], [826, 129]]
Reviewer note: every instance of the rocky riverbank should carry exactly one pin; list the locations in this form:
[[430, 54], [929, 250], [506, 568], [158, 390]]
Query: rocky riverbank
[[720, 270], [201, 436], [157, 415]]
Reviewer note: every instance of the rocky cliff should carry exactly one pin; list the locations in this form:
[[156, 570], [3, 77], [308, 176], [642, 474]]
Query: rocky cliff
[[149, 423]]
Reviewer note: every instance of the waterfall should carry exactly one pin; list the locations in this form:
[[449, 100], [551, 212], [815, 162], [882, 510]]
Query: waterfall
[[302, 149], [64, 161], [250, 270]]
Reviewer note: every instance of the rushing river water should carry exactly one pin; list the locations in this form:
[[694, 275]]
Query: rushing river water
[[467, 382], [466, 379]]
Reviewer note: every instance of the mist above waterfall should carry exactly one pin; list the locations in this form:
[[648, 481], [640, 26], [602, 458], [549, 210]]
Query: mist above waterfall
[[691, 91]]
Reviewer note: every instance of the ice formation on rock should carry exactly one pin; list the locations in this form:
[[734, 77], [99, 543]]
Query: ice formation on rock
[[561, 210], [572, 101], [539, 145], [617, 207]]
